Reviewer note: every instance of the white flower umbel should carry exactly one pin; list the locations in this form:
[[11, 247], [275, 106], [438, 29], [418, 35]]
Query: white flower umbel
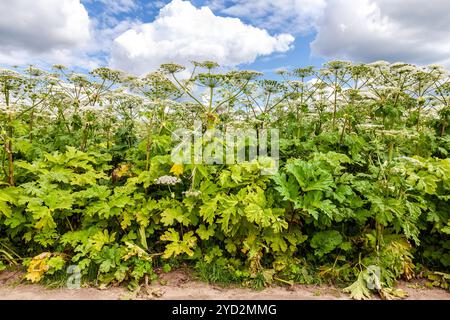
[[167, 180], [192, 193], [380, 63]]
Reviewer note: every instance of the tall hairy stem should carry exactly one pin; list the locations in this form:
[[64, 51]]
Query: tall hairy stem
[[186, 90], [335, 99], [30, 125], [8, 142], [211, 93], [341, 138], [379, 237], [194, 171], [108, 138], [9, 150], [418, 116], [298, 109], [149, 144], [84, 138]]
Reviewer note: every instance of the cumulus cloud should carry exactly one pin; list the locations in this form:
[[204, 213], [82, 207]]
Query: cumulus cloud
[[119, 6], [108, 13], [61, 31], [182, 32], [51, 31], [415, 31], [297, 16]]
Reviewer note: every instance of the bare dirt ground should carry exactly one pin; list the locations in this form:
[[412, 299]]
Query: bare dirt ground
[[178, 285]]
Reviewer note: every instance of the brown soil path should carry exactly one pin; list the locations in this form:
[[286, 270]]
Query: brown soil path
[[179, 286]]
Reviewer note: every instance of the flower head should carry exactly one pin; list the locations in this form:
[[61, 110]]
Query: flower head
[[167, 180], [192, 193]]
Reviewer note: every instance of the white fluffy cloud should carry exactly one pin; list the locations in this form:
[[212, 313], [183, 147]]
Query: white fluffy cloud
[[297, 16], [61, 31], [119, 6], [181, 32], [416, 31], [43, 30]]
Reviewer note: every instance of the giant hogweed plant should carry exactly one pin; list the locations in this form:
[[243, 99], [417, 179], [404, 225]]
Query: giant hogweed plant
[[88, 178]]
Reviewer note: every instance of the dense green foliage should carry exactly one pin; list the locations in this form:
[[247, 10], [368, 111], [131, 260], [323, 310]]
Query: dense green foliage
[[364, 175]]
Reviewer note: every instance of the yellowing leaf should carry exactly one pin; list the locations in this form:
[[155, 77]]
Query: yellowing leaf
[[391, 294], [122, 170], [177, 246], [358, 290], [37, 267]]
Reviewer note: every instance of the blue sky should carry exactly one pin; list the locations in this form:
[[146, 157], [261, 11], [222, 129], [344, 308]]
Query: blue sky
[[264, 35], [146, 11]]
